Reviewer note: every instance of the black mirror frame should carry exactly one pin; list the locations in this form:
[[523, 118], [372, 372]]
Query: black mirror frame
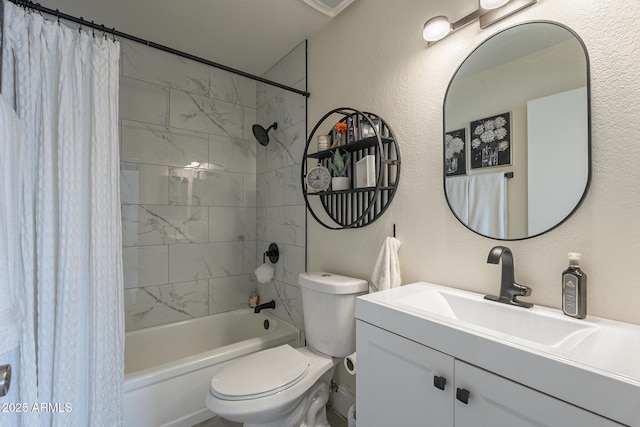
[[589, 150]]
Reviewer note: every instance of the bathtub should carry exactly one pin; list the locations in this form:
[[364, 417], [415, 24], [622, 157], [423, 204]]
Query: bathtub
[[168, 368]]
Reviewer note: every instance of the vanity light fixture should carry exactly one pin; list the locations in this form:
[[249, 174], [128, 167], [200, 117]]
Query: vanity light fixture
[[489, 12], [492, 4], [436, 28]]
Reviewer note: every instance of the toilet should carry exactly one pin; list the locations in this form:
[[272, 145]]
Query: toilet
[[286, 386]]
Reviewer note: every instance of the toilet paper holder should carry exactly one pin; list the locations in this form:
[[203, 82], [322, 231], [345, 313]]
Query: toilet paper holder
[[350, 363]]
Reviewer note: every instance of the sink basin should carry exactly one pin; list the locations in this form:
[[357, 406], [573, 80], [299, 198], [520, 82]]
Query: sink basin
[[538, 325], [605, 345], [614, 349]]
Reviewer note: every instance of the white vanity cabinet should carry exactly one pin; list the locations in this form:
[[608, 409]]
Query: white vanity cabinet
[[395, 381], [495, 401], [398, 384]]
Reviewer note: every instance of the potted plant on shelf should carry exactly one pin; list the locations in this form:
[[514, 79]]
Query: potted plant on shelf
[[339, 165]]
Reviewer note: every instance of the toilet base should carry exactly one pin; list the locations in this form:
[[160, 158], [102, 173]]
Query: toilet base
[[309, 412], [301, 405], [306, 409]]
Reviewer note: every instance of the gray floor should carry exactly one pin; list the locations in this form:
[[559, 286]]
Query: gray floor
[[334, 418]]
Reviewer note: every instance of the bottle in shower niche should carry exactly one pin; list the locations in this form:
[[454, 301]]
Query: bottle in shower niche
[[574, 289], [254, 299]]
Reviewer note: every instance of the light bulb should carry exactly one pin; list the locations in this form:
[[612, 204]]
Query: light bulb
[[492, 4], [436, 28]]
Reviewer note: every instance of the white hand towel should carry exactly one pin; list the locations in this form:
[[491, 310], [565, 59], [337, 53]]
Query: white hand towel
[[386, 272]]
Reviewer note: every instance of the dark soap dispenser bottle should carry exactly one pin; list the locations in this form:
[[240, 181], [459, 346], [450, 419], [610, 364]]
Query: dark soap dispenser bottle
[[574, 289]]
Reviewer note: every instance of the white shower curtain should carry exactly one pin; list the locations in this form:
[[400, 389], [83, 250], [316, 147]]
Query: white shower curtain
[[63, 83]]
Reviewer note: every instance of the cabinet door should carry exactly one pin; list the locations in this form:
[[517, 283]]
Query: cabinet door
[[395, 381], [494, 401]]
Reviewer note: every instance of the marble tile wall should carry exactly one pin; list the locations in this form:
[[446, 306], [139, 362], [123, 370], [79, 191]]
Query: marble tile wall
[[281, 212], [188, 188]]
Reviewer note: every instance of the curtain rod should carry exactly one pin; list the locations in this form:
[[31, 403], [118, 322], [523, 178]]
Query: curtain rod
[[41, 9]]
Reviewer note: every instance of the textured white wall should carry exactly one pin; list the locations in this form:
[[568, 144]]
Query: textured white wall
[[372, 57]]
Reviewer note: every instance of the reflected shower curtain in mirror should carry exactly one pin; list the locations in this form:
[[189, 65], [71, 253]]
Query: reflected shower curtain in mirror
[[457, 191], [480, 202], [63, 84]]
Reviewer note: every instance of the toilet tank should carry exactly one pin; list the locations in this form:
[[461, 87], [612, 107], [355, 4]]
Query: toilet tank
[[328, 308]]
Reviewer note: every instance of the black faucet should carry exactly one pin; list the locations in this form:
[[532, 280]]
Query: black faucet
[[509, 289], [259, 307]]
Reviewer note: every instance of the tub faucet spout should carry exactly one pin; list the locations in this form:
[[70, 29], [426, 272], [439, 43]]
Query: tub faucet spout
[[271, 304], [509, 289]]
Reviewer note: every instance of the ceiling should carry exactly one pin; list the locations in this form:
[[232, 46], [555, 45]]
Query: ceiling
[[249, 35]]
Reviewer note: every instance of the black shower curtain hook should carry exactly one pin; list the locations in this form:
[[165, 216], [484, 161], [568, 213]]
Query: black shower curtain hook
[[81, 21], [113, 33], [104, 32], [58, 16], [93, 30]]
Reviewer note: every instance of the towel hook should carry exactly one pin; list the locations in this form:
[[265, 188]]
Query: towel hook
[[394, 231]]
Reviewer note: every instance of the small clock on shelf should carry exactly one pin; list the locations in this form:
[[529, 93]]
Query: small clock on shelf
[[318, 179]]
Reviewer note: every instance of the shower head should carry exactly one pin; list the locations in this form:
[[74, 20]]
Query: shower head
[[262, 134]]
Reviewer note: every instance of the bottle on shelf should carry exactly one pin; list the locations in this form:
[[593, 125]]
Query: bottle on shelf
[[254, 299]]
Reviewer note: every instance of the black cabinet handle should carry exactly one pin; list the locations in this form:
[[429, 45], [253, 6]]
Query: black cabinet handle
[[462, 395], [439, 382]]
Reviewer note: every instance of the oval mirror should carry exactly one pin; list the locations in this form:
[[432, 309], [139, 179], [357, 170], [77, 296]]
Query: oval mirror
[[517, 137]]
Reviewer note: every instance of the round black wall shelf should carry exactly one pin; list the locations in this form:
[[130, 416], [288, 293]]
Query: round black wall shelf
[[373, 169]]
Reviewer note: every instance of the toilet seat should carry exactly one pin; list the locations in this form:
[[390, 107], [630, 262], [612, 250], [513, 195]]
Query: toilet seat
[[260, 374]]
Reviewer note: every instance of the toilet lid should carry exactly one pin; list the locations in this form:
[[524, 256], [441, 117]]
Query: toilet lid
[[260, 374]]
